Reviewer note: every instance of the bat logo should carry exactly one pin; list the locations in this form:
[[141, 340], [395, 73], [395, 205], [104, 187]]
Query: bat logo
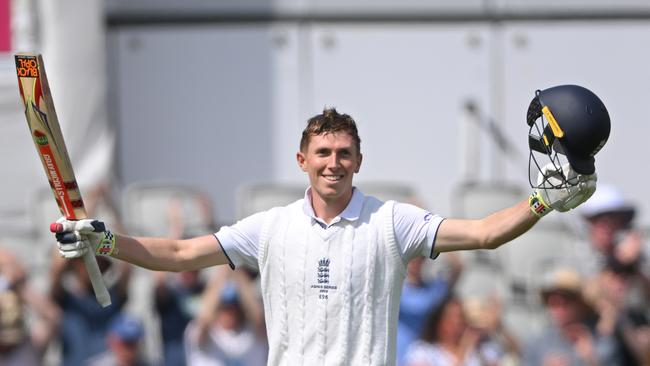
[[40, 138], [27, 67]]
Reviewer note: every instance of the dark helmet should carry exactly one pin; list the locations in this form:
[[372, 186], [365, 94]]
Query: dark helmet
[[575, 123]]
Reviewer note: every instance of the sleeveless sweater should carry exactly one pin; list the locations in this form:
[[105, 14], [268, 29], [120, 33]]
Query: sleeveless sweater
[[331, 295]]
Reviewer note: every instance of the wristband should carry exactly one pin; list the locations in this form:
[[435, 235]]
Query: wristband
[[537, 205], [106, 246]]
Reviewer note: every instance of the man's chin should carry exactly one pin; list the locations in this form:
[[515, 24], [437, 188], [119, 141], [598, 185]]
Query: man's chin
[[329, 194]]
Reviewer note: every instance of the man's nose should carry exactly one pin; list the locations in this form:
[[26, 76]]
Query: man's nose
[[334, 161]]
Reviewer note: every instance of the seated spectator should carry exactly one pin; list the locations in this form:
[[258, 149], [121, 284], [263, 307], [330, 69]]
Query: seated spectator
[[447, 340], [123, 340], [572, 336], [229, 329], [20, 344]]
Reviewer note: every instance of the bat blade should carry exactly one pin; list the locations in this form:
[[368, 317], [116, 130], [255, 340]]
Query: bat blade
[[48, 139]]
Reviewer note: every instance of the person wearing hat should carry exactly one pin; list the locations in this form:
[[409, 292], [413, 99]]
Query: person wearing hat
[[619, 246], [571, 336], [620, 284], [123, 340], [614, 240], [608, 215]]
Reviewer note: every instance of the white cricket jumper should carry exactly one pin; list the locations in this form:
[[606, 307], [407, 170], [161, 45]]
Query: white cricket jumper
[[331, 296]]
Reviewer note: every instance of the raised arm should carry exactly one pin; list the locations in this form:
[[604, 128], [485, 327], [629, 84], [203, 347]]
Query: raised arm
[[505, 225], [174, 255], [487, 233], [160, 254]]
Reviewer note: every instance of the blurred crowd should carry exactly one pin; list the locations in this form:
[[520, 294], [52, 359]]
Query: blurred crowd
[[595, 311]]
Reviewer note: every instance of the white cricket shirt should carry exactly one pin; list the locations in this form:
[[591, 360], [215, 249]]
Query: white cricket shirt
[[415, 230], [331, 292]]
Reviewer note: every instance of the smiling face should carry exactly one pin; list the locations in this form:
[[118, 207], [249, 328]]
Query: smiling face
[[330, 160]]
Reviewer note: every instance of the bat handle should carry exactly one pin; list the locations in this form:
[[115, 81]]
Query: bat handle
[[101, 293]]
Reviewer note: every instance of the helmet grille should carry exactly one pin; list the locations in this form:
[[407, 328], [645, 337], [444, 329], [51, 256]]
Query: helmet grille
[[544, 145]]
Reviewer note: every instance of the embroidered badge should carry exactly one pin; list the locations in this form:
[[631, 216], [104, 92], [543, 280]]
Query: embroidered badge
[[324, 271], [323, 279]]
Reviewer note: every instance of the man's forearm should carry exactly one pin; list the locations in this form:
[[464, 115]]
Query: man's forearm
[[508, 224], [172, 255], [159, 254]]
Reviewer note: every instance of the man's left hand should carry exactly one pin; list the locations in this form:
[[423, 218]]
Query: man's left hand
[[547, 197]]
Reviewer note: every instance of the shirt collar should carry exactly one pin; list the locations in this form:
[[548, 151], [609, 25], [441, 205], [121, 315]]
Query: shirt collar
[[351, 213]]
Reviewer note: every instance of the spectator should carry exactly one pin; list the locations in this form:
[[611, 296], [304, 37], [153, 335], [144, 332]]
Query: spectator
[[620, 286], [485, 316], [177, 295], [85, 323], [571, 337], [21, 345], [123, 340], [447, 340], [622, 314], [229, 330], [609, 218], [177, 300], [419, 297]]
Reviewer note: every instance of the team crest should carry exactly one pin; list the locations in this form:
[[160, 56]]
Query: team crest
[[323, 279]]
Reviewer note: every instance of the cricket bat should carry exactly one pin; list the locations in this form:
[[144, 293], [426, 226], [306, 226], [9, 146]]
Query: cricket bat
[[48, 139]]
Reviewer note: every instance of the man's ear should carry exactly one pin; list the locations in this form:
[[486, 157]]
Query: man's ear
[[300, 158], [359, 160]]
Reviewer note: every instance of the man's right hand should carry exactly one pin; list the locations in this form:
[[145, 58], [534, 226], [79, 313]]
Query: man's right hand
[[75, 237]]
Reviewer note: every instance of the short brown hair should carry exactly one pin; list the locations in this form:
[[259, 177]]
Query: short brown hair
[[330, 121]]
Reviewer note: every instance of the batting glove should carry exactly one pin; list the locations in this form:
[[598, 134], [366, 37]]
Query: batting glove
[[548, 197], [75, 237]]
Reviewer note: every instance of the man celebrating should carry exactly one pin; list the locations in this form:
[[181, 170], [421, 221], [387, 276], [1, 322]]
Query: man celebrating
[[332, 264]]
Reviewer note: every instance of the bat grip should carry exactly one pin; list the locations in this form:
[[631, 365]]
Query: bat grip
[[101, 293]]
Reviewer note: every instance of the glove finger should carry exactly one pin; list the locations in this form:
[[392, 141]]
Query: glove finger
[[90, 226], [68, 237], [568, 171], [543, 174], [589, 190], [551, 177], [572, 202], [85, 225], [590, 177], [62, 225], [584, 191], [72, 247], [72, 255]]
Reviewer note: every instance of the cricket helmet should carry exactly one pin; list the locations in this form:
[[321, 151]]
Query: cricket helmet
[[567, 121]]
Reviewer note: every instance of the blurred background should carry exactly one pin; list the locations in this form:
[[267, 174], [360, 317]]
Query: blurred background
[[197, 106]]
